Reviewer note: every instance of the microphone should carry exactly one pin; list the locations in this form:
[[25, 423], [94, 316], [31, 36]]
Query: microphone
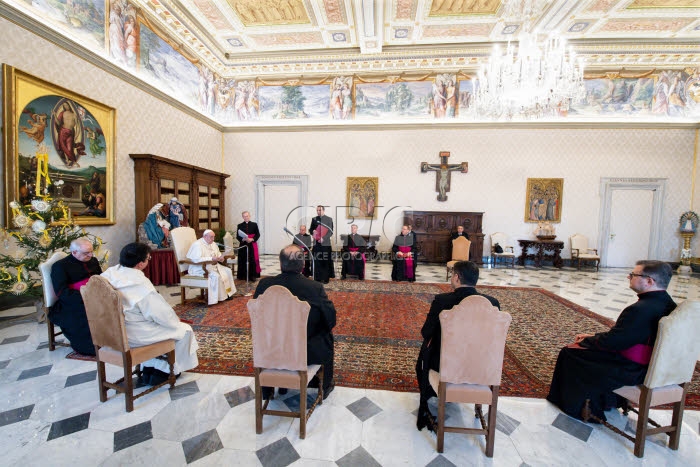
[[287, 231]]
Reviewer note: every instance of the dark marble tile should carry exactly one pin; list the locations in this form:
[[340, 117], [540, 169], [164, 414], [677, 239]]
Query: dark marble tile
[[133, 435], [611, 308], [201, 445], [364, 409], [69, 425], [15, 415], [292, 401], [440, 461], [359, 457], [81, 378], [618, 301], [187, 389], [4, 363], [574, 293], [506, 424], [278, 454], [44, 345], [573, 427], [239, 396], [12, 340], [34, 372], [588, 299]]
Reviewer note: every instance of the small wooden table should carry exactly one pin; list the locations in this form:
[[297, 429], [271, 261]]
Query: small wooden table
[[539, 254]]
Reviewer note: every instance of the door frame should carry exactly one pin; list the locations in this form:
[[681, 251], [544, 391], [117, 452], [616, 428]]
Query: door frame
[[301, 182], [607, 186]]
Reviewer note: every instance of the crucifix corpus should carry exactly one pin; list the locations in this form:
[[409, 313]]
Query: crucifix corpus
[[442, 173]]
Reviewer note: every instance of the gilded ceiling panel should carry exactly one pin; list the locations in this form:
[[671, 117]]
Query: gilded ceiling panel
[[457, 30], [664, 4], [290, 39], [270, 12], [464, 7], [635, 25]]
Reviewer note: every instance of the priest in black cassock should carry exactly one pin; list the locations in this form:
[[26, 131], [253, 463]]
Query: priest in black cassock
[[322, 231], [353, 253], [67, 276], [460, 233], [404, 257], [248, 234], [304, 240]]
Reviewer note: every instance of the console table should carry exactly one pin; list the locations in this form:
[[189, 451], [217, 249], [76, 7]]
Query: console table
[[370, 240], [540, 248]]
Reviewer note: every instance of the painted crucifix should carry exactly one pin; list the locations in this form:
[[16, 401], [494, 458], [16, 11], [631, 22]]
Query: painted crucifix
[[442, 173]]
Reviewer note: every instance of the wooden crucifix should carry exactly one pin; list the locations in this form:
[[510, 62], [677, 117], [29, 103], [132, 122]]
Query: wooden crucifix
[[442, 173]]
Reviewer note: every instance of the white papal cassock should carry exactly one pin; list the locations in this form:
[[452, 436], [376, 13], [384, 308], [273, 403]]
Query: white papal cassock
[[221, 284], [149, 318]]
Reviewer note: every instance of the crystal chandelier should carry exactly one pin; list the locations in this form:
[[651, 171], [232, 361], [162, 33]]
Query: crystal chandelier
[[530, 81]]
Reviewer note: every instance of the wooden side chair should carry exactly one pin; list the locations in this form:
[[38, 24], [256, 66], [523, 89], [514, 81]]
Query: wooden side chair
[[581, 252], [460, 252], [671, 368], [471, 362], [50, 297], [278, 325], [508, 253], [103, 306], [182, 239]]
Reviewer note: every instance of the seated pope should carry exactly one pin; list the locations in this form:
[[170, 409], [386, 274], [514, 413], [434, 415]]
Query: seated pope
[[221, 284], [148, 317]]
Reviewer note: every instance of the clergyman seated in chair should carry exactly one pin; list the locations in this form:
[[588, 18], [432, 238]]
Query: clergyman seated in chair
[[463, 280], [67, 276], [319, 329], [595, 365], [354, 255], [221, 284], [148, 317]]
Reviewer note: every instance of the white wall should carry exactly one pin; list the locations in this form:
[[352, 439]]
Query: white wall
[[500, 162]]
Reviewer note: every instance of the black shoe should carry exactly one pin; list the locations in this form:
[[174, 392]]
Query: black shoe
[[327, 392], [342, 278], [267, 392], [158, 377], [426, 420], [282, 391]]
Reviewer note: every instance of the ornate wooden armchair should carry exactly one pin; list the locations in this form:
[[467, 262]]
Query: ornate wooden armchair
[[581, 252], [508, 253]]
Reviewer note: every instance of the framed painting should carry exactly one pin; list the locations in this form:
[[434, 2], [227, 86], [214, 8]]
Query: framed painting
[[362, 196], [543, 199], [60, 143]]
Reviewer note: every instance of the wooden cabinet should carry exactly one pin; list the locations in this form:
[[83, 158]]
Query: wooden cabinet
[[433, 230], [200, 190]]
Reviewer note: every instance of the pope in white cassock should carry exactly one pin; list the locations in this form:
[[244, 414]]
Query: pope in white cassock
[[221, 284], [147, 316]]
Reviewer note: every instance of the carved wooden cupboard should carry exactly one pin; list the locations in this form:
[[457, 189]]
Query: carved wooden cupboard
[[433, 230], [200, 190]]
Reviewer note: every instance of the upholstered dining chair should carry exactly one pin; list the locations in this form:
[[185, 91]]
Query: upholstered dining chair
[[508, 253], [671, 368], [460, 252], [278, 326], [471, 362], [581, 252], [183, 238], [50, 297], [105, 315]]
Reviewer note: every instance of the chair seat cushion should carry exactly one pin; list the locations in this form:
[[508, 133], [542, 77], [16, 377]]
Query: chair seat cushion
[[285, 378], [194, 281], [138, 354], [587, 256], [659, 396], [451, 264], [504, 254], [466, 393]]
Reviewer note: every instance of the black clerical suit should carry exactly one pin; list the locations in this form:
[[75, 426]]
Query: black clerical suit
[[456, 235], [353, 265], [398, 269], [594, 371], [319, 328], [248, 252], [323, 251], [305, 242], [69, 311]]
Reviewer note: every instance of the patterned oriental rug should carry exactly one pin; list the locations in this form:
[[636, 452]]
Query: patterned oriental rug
[[377, 336]]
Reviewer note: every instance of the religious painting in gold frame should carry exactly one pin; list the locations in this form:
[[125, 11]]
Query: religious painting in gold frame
[[362, 196], [543, 199], [49, 126]]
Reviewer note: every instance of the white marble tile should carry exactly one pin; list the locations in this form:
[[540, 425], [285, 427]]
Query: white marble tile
[[19, 439], [343, 396], [112, 415], [67, 402], [189, 416], [312, 463], [221, 384], [392, 401], [550, 446], [237, 428], [392, 439], [153, 452], [87, 447], [324, 441], [228, 457]]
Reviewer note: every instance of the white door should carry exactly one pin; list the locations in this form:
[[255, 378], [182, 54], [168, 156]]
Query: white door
[[280, 200], [630, 227]]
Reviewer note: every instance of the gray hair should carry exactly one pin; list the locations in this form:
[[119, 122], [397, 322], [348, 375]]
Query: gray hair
[[76, 244]]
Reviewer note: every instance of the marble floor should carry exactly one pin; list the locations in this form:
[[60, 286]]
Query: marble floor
[[50, 412]]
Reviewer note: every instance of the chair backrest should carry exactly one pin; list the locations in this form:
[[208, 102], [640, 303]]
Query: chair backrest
[[183, 238], [460, 249], [579, 242], [677, 347], [500, 238], [45, 269], [278, 326], [105, 314], [473, 342]]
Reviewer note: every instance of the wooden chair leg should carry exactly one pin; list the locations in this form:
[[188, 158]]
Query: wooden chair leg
[[128, 382], [677, 420], [101, 377], [258, 402], [442, 390], [491, 428], [171, 363], [642, 421], [320, 382], [302, 403], [52, 337], [182, 295]]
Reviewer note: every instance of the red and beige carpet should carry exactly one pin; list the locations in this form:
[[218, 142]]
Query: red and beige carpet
[[377, 336]]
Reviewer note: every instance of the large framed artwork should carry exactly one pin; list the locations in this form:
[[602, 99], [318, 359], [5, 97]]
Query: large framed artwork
[[59, 141], [362, 196], [543, 199]]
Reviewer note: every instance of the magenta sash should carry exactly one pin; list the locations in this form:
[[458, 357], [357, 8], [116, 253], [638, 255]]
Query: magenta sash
[[256, 255], [638, 353], [78, 285], [357, 249], [408, 261]]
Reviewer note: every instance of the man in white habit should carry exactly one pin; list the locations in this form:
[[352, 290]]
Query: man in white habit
[[148, 317], [221, 284]]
